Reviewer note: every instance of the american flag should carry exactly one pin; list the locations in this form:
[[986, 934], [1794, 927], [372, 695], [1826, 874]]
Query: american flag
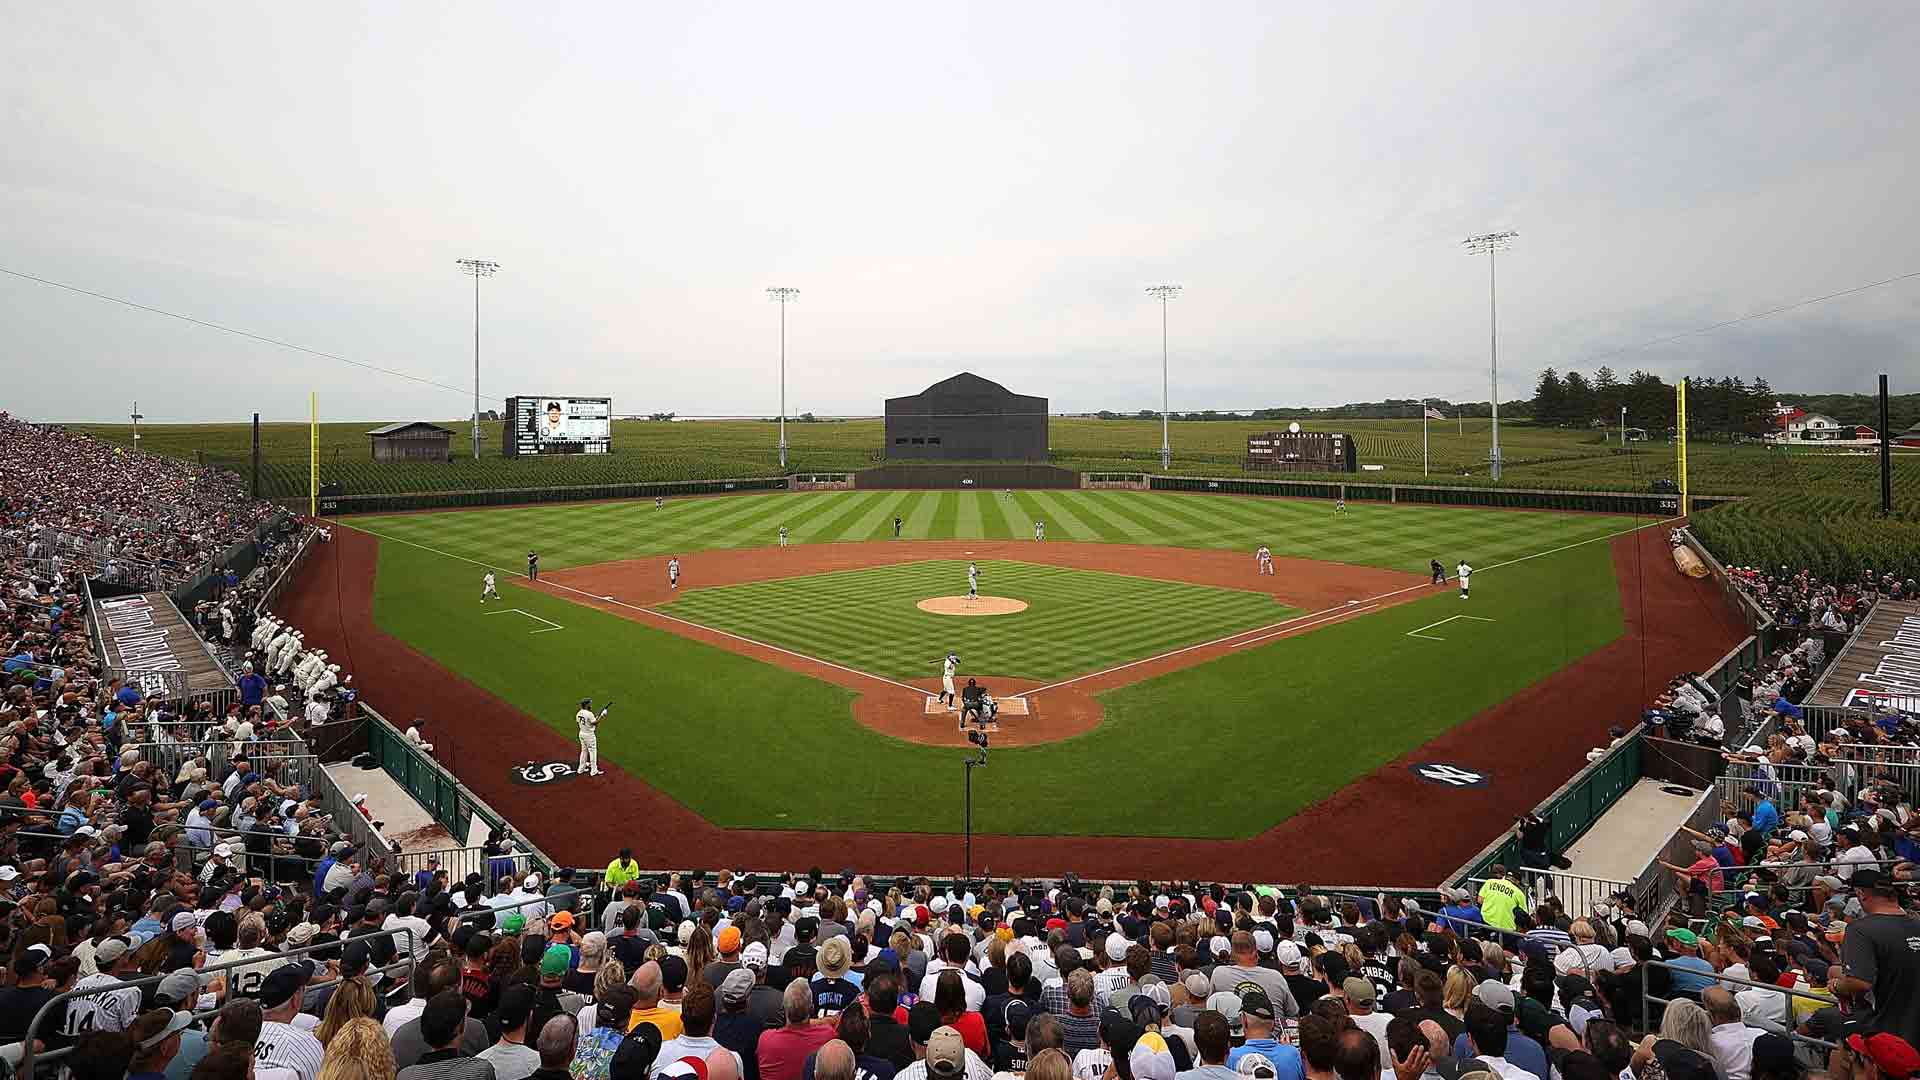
[[1434, 414]]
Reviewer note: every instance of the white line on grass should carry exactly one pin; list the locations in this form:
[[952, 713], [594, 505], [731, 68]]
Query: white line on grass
[[1416, 631], [1368, 602], [548, 629], [647, 611]]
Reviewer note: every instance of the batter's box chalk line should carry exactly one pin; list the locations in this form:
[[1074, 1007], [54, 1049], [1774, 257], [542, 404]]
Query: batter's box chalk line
[[1434, 637], [1009, 706], [547, 629]]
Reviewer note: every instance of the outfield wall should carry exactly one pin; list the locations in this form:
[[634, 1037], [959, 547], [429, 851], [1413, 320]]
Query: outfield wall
[[1609, 502], [457, 500]]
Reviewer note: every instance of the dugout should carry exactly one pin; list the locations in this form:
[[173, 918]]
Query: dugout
[[966, 418]]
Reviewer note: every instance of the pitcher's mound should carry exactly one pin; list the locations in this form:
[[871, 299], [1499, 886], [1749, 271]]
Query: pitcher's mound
[[960, 605]]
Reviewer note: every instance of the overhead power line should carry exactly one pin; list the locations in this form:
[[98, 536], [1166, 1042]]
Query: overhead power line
[[1698, 330]]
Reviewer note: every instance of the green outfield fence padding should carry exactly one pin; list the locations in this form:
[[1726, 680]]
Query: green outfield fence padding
[[1575, 809], [1611, 502], [449, 500]]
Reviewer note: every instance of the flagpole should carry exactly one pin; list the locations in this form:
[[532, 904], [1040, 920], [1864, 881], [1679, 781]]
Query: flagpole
[[1423, 436]]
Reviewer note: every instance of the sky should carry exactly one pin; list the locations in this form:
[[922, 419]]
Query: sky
[[987, 187]]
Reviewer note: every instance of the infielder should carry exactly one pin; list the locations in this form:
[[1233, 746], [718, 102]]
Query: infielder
[[590, 736], [673, 573], [973, 582], [1439, 572], [486, 587], [1263, 560], [533, 566], [948, 666], [658, 502], [896, 526], [783, 536], [1039, 530], [1465, 572]]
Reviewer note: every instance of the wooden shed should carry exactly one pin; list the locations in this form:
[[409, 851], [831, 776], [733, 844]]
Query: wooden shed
[[414, 440]]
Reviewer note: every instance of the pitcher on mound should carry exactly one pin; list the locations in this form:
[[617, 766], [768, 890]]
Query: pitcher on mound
[[973, 582]]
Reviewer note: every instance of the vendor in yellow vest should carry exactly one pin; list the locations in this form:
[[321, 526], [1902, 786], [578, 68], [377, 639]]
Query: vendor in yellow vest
[[1500, 898], [622, 870]]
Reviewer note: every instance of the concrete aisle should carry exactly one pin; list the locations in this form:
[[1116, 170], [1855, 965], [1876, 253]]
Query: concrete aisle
[[1619, 845], [406, 822]]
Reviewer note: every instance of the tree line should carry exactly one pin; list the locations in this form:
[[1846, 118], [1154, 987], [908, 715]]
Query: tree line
[[1724, 407]]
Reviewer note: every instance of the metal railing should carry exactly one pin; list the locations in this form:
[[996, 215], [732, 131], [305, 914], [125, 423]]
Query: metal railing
[[29, 1058], [1789, 1029]]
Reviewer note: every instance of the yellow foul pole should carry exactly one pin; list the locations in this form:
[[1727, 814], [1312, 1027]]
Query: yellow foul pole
[[313, 454], [1680, 430]]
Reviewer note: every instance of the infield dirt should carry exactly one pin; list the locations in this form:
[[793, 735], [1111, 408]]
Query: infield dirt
[[1531, 742]]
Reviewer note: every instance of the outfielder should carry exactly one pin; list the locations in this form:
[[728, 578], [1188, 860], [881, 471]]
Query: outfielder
[[533, 566], [1465, 572], [896, 526], [486, 587], [1340, 504], [673, 573], [590, 736], [973, 582], [783, 536], [1263, 560], [1039, 530], [948, 666]]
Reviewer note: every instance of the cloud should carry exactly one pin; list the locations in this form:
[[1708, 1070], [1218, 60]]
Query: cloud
[[989, 187]]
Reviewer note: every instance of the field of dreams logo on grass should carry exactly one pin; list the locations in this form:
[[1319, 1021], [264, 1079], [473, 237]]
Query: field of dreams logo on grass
[[1449, 774], [541, 773]]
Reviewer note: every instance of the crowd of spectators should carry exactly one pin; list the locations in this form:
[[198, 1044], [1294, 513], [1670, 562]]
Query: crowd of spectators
[[78, 505], [1804, 600]]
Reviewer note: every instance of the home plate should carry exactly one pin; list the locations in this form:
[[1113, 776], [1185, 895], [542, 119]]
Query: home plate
[[1013, 706]]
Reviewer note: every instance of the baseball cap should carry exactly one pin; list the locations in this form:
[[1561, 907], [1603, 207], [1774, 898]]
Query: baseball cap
[[1254, 1000], [1197, 984], [754, 955], [946, 1053], [183, 921], [1150, 1062], [1117, 947], [1255, 1066], [176, 1022], [560, 920], [110, 950], [1493, 994], [1773, 1055], [1868, 877], [728, 940], [736, 987], [1357, 989], [283, 982], [513, 922], [1892, 1054], [1227, 1004], [1018, 1014], [555, 961], [633, 1058], [178, 988], [1684, 936]]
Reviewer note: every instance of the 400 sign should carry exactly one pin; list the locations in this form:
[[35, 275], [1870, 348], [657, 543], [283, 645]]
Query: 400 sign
[[541, 773]]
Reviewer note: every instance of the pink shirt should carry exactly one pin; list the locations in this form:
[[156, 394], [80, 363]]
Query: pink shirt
[[783, 1051]]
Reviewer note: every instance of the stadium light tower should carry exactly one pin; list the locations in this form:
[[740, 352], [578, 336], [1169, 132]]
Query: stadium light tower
[[136, 416], [478, 268], [1164, 293], [782, 295], [1488, 245]]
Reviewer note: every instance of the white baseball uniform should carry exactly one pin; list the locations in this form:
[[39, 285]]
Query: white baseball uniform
[[673, 573], [947, 667], [1263, 560], [783, 536], [973, 580], [1465, 572], [589, 740], [487, 588], [1039, 530]]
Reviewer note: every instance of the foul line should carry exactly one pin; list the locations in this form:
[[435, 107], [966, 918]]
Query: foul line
[[1317, 615], [648, 611], [548, 629], [1415, 632], [1368, 602]]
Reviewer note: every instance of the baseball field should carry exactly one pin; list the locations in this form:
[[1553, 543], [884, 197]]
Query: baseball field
[[1155, 688]]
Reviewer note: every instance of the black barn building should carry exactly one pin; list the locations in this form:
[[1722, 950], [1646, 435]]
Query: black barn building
[[967, 418]]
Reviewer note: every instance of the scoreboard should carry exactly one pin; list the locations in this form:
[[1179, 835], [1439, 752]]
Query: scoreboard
[[552, 424], [1302, 451]]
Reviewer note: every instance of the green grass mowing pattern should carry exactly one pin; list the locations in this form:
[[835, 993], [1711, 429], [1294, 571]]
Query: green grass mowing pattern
[[1397, 537], [1078, 621], [1225, 749]]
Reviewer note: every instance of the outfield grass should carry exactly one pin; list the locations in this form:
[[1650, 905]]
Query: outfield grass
[[1225, 749], [1394, 537], [1077, 621]]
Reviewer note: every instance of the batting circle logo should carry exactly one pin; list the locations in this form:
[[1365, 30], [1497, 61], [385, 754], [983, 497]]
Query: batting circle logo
[[536, 773], [1451, 775]]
